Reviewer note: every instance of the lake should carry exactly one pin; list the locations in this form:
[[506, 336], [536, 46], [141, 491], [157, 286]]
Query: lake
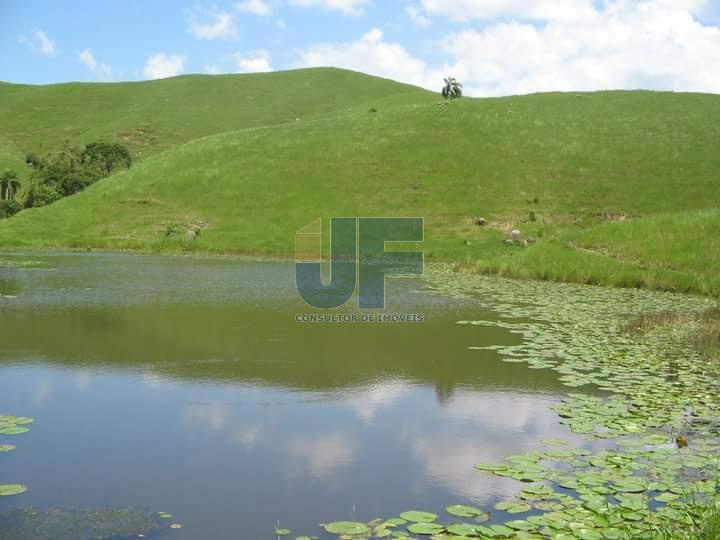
[[186, 385]]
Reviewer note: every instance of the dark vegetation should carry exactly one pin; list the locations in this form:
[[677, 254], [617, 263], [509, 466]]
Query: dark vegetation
[[71, 170], [59, 174]]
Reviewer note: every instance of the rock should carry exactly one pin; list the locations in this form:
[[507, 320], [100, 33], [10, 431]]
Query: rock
[[481, 222], [515, 235]]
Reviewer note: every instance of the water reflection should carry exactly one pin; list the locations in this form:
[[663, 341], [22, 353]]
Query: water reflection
[[185, 385]]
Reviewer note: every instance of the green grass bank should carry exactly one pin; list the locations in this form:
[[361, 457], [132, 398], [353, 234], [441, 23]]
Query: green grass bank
[[609, 188]]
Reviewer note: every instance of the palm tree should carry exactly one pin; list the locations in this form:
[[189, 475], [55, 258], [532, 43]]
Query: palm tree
[[452, 88], [9, 185]]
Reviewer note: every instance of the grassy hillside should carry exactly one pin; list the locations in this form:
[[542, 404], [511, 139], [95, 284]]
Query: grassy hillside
[[612, 187], [10, 155], [151, 116]]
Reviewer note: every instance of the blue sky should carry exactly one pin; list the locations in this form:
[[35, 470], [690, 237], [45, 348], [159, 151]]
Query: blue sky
[[497, 47]]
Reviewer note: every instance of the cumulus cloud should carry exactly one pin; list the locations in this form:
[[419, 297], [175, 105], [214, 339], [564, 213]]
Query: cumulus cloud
[[370, 54], [653, 44], [253, 62], [38, 42], [210, 25], [257, 7], [162, 65], [102, 72], [349, 7]]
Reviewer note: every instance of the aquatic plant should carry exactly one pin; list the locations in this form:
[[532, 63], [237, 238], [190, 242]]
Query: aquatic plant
[[10, 426], [654, 399]]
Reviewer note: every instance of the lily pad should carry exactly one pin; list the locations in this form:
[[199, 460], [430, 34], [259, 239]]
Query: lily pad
[[417, 516], [7, 490], [346, 527], [460, 510], [425, 528]]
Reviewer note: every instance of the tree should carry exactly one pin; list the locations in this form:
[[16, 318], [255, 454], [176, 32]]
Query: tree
[[34, 161], [9, 185], [105, 157], [41, 195], [9, 208], [452, 89]]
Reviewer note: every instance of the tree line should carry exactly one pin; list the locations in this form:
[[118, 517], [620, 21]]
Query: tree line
[[59, 174]]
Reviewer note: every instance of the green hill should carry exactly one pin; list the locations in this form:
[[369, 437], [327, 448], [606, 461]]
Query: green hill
[[151, 116], [613, 187]]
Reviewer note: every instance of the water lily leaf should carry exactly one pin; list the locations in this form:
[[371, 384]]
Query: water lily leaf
[[7, 490], [417, 516], [460, 510], [520, 525], [13, 431], [425, 528], [462, 529], [346, 527]]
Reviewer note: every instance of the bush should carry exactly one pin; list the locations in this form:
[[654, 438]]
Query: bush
[[41, 195], [9, 208], [34, 161], [105, 157]]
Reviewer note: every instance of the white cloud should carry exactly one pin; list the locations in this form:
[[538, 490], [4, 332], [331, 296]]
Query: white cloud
[[349, 7], [253, 62], [209, 25], [162, 65], [653, 44], [257, 7], [39, 42], [102, 72], [258, 61], [417, 17], [370, 54], [465, 10]]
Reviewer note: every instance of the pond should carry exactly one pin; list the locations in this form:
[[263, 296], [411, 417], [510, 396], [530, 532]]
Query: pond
[[187, 385]]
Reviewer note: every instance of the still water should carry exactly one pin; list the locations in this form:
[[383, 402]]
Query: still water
[[186, 385]]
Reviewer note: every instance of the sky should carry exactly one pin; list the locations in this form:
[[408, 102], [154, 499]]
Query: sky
[[494, 47]]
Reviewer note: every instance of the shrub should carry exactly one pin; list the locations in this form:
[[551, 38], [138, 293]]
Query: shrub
[[9, 208], [41, 195], [105, 157]]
